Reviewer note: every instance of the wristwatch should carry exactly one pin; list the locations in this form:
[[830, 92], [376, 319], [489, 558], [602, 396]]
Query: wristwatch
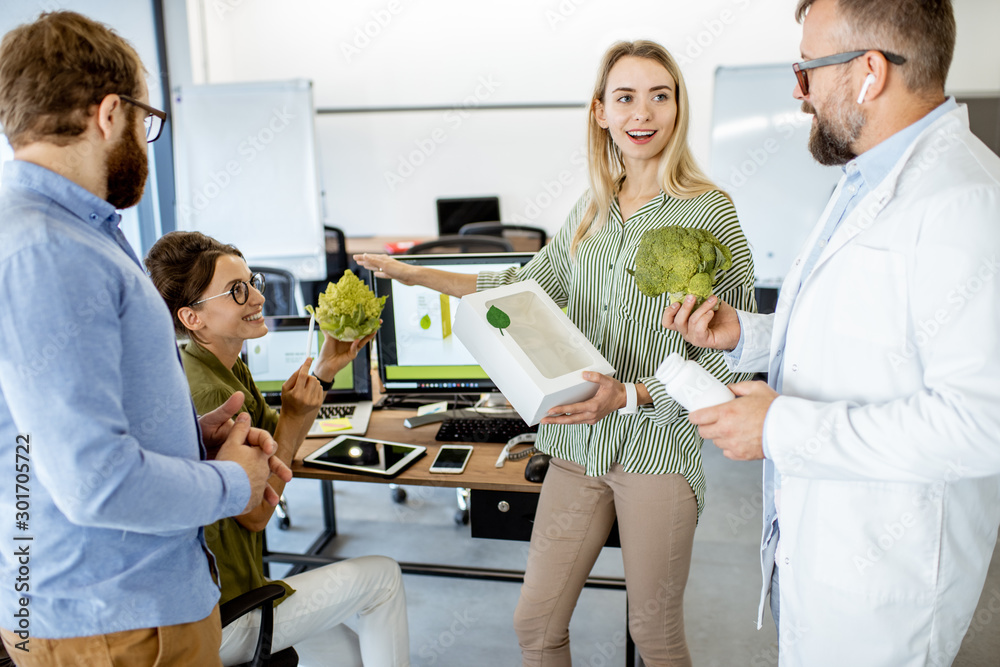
[[631, 400]]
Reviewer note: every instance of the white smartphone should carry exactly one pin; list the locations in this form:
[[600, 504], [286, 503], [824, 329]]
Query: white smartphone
[[451, 459]]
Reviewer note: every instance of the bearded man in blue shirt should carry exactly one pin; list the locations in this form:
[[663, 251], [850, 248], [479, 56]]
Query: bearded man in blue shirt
[[105, 485]]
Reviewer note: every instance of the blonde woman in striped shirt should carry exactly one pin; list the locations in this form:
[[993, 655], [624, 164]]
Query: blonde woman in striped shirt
[[642, 466]]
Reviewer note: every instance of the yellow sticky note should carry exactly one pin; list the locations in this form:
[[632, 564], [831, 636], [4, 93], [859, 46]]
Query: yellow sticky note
[[331, 425]]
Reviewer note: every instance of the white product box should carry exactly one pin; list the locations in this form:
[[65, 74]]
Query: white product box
[[538, 361]]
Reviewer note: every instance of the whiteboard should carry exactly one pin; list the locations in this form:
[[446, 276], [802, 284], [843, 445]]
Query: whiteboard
[[760, 156], [245, 164]]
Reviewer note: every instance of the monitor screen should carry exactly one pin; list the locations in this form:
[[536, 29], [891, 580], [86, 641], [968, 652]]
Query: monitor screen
[[274, 357], [453, 213], [417, 352]]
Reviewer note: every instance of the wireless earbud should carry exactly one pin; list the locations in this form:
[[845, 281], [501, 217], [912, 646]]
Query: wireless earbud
[[869, 80]]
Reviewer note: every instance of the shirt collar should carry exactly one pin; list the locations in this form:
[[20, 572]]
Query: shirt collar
[[876, 163], [74, 198]]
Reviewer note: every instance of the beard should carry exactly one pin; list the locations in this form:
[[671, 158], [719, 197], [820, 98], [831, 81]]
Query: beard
[[831, 137], [128, 168]]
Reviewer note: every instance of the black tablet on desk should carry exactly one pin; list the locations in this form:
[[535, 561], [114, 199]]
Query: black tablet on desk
[[364, 456]]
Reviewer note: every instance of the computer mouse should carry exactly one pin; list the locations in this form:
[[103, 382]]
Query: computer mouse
[[536, 468]]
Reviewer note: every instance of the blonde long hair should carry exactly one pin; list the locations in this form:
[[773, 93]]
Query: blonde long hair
[[678, 173]]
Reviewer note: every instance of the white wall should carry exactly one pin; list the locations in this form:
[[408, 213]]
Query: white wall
[[382, 171]]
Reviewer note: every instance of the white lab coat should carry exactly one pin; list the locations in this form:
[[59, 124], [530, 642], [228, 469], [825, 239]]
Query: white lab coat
[[887, 433]]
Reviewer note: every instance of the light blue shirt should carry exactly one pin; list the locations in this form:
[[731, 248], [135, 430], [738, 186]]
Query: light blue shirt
[[113, 485]]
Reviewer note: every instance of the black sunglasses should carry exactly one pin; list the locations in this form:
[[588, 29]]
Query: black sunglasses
[[153, 121], [801, 68]]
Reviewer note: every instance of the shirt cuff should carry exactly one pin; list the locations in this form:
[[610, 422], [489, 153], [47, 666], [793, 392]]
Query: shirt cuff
[[732, 357], [235, 487]]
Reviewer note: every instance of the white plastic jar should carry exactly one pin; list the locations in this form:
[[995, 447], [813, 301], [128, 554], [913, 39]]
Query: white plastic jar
[[690, 384]]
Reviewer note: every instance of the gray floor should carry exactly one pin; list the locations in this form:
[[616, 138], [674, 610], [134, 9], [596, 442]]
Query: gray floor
[[459, 623]]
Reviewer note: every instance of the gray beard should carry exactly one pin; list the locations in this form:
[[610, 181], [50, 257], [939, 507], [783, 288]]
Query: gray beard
[[830, 144]]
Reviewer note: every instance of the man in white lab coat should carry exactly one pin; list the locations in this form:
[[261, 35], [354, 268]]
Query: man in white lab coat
[[880, 429]]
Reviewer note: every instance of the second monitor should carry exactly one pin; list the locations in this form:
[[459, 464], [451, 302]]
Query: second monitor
[[417, 352]]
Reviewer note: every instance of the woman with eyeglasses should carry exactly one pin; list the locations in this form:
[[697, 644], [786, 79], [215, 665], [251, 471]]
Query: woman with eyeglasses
[[217, 305]]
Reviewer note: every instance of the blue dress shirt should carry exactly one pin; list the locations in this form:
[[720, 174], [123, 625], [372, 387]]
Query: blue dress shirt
[[115, 488]]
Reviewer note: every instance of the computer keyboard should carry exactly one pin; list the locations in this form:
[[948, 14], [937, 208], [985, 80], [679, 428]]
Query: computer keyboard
[[490, 429], [336, 411]]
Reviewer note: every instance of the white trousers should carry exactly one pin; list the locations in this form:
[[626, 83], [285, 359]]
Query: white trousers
[[312, 619]]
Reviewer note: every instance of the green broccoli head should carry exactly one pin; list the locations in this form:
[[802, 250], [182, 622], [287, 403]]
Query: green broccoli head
[[680, 261], [347, 309]]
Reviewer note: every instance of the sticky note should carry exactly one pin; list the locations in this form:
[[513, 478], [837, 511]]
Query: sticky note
[[331, 425]]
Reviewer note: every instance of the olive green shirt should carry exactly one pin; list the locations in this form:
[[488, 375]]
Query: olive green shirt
[[602, 300], [239, 553]]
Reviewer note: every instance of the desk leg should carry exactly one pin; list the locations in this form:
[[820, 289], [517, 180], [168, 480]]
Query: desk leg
[[329, 508]]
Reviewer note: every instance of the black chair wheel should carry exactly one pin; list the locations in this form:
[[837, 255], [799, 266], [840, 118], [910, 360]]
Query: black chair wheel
[[285, 523], [399, 495], [462, 517]]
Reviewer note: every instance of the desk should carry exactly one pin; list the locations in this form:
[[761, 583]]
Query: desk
[[489, 486]]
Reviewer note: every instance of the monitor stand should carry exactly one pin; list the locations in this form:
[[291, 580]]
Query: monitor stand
[[495, 400]]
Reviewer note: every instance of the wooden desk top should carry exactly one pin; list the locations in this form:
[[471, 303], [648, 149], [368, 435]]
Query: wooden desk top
[[480, 473]]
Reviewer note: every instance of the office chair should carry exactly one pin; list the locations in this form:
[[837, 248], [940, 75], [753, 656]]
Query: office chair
[[459, 244], [263, 598], [522, 237], [337, 262], [282, 291]]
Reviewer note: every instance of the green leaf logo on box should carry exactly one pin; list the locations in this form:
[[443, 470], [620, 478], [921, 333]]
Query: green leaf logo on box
[[498, 318]]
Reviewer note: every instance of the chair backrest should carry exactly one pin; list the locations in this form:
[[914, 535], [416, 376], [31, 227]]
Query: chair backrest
[[336, 253], [461, 243], [281, 291], [522, 237]]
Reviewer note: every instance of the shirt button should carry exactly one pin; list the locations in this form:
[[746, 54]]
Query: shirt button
[[795, 367], [605, 306], [778, 353], [852, 189], [788, 561], [93, 216], [822, 243]]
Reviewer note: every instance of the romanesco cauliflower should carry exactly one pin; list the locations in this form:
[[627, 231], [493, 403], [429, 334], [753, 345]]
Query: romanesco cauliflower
[[348, 309], [680, 261]]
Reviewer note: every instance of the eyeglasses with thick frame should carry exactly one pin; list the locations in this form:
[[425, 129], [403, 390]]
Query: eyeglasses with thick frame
[[801, 68], [153, 121], [240, 291]]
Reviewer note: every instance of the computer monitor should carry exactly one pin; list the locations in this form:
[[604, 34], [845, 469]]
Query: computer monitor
[[417, 351], [453, 213]]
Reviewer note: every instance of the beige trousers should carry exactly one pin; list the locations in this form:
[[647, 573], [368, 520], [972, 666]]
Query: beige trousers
[[656, 520], [183, 645]]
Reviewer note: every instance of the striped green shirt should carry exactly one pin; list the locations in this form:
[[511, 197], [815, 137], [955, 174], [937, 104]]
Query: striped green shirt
[[601, 298]]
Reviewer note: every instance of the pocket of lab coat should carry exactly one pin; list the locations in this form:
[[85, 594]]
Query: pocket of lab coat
[[880, 540], [871, 296]]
